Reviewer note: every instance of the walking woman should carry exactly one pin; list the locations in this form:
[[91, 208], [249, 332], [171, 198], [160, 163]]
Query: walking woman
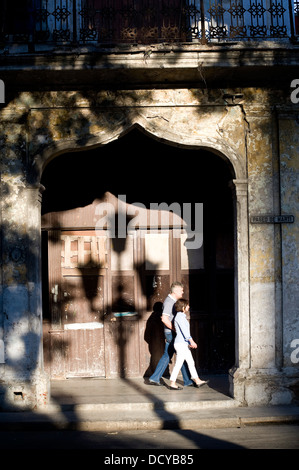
[[182, 344]]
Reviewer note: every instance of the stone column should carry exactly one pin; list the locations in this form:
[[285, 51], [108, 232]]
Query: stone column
[[24, 384], [242, 327]]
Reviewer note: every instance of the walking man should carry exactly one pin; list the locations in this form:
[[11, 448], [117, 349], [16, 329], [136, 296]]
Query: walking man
[[176, 293]]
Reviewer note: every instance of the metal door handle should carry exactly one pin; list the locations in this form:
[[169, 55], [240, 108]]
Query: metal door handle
[[55, 293]]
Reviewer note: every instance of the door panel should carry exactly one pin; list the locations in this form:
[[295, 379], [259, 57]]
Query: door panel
[[123, 354], [122, 336], [84, 353], [158, 267], [82, 310], [83, 270]]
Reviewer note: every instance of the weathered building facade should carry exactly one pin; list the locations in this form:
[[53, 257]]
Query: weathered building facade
[[113, 107]]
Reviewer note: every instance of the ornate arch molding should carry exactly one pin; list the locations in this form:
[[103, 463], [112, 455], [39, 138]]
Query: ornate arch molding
[[157, 131]]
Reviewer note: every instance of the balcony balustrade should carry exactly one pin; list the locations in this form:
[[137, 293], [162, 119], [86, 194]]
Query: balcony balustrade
[[114, 22]]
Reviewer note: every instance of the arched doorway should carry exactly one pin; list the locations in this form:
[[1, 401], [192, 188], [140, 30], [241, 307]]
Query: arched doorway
[[100, 313]]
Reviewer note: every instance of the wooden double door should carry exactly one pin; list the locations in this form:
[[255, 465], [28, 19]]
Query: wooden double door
[[103, 296]]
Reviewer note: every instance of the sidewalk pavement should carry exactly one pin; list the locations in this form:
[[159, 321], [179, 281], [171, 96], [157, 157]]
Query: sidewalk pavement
[[132, 404]]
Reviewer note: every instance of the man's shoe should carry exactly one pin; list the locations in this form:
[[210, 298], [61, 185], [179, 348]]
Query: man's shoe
[[153, 382]]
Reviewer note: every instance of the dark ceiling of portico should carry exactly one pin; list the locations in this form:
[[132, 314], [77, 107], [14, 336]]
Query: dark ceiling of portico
[[140, 167]]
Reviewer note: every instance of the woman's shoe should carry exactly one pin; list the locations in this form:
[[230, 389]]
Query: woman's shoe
[[202, 382], [175, 388]]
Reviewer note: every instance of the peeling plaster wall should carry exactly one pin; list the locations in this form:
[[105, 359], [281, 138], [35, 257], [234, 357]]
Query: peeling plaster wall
[[36, 127]]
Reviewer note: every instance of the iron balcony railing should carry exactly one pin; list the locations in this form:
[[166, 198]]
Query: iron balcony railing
[[145, 21]]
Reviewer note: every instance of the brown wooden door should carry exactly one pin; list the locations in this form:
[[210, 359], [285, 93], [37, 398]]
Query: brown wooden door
[[123, 323], [95, 326], [78, 300]]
